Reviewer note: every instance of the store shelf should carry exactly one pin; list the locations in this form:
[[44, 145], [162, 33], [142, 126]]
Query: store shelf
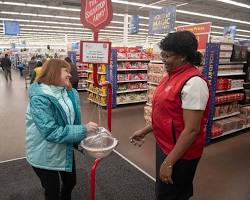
[[96, 102], [156, 61], [89, 81], [89, 71], [132, 102], [82, 89], [231, 74], [96, 93], [81, 70], [225, 116], [232, 131], [152, 83], [131, 81], [82, 76], [127, 91], [132, 59], [232, 63], [232, 89], [125, 70], [149, 104]]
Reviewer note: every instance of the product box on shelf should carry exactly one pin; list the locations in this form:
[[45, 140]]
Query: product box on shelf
[[132, 53], [132, 65], [131, 97], [220, 99], [151, 90], [226, 109], [223, 84], [216, 131], [131, 86]]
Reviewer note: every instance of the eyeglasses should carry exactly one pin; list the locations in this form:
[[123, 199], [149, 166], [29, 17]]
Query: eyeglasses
[[166, 55]]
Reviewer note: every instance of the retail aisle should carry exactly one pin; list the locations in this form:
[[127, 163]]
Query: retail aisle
[[223, 173]]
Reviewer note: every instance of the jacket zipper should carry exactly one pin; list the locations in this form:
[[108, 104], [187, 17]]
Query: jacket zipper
[[67, 107]]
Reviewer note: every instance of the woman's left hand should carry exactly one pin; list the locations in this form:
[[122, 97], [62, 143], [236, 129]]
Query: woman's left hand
[[166, 173]]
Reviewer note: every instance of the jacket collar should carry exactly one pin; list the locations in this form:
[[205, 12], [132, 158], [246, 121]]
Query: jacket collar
[[180, 69]]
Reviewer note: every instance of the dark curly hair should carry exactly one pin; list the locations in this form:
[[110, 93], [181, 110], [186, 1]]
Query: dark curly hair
[[182, 43]]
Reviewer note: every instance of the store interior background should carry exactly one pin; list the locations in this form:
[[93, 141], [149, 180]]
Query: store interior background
[[224, 171]]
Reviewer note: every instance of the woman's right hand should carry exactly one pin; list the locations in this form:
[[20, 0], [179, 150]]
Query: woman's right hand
[[138, 138], [91, 128]]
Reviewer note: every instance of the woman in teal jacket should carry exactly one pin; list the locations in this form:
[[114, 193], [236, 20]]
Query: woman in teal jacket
[[53, 127]]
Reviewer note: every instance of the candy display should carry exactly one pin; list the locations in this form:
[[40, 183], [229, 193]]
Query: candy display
[[131, 76], [226, 109], [229, 123], [131, 86], [97, 98], [132, 65], [226, 84], [131, 97], [216, 131], [226, 98], [227, 69], [132, 53], [156, 68], [151, 90]]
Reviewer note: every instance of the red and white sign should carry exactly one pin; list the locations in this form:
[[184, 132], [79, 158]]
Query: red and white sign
[[96, 14], [202, 32], [95, 52]]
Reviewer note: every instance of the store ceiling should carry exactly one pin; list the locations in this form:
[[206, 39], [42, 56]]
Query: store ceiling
[[50, 24]]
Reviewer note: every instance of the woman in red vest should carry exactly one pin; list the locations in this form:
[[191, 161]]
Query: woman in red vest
[[179, 115]]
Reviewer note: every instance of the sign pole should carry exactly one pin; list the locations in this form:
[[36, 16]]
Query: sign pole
[[96, 15]]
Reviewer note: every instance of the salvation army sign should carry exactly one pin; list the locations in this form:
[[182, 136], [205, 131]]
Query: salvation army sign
[[96, 14]]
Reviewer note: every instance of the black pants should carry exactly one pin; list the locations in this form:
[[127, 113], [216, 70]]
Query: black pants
[[50, 181], [7, 73], [182, 176]]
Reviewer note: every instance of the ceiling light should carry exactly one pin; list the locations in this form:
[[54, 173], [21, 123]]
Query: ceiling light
[[212, 16], [235, 3]]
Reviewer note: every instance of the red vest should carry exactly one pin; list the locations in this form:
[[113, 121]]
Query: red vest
[[167, 112]]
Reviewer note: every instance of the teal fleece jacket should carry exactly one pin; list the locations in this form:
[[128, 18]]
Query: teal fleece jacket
[[49, 135]]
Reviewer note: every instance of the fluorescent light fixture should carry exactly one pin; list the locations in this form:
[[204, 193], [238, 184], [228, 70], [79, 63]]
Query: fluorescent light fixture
[[212, 16], [139, 5], [136, 4], [12, 3], [35, 5], [235, 3]]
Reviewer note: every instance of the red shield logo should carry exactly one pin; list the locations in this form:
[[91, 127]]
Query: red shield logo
[[96, 14]]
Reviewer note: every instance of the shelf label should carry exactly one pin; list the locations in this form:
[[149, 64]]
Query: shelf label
[[95, 52]]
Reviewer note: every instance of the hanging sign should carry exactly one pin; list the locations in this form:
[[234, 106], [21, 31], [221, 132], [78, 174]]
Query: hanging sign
[[95, 52], [162, 21], [96, 14], [11, 27], [201, 31], [230, 31], [134, 24], [211, 73], [72, 56]]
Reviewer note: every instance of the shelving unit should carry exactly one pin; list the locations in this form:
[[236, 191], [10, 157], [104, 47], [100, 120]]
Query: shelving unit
[[94, 96], [156, 72], [81, 69], [131, 77], [226, 116]]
